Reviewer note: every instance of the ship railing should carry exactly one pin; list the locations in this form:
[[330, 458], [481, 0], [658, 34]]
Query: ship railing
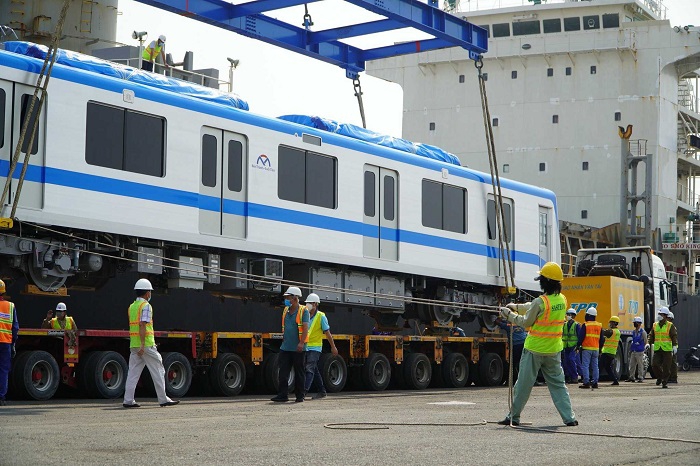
[[183, 75], [657, 7], [687, 195]]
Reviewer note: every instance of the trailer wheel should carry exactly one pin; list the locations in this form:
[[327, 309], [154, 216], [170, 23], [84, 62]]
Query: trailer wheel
[[178, 374], [417, 371], [376, 372], [685, 366], [36, 375], [490, 370], [105, 375], [617, 364], [84, 373], [455, 370], [227, 374], [334, 372], [272, 374]]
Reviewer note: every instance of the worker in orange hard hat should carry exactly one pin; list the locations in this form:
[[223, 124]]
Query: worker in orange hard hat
[[610, 349]]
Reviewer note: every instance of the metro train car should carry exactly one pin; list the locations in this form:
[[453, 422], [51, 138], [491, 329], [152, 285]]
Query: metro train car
[[193, 192]]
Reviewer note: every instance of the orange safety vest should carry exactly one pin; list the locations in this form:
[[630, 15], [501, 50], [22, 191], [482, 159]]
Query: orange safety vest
[[300, 324], [7, 312], [592, 340]]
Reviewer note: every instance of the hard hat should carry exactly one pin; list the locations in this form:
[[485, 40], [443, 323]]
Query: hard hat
[[663, 310], [637, 319], [670, 315], [615, 319], [161, 38], [143, 284], [294, 291], [571, 311], [552, 271], [2, 287], [591, 311], [61, 307], [312, 298]]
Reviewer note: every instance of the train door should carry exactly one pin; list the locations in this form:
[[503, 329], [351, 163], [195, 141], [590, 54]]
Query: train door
[[494, 264], [222, 184], [380, 232], [545, 235], [16, 100]]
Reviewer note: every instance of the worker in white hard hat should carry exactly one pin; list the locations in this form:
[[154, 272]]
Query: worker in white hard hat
[[295, 330], [664, 337], [673, 378], [639, 345], [142, 347], [318, 326], [589, 342], [61, 321], [151, 53], [570, 361]]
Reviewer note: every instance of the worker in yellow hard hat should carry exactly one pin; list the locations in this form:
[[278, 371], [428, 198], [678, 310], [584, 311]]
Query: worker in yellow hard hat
[[610, 349]]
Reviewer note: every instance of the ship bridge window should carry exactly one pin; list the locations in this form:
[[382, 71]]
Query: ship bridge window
[[307, 177], [551, 25], [444, 207], [591, 22], [501, 30], [522, 28], [611, 20], [2, 117], [572, 24], [125, 140]]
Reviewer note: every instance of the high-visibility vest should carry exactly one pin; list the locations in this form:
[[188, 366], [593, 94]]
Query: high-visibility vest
[[545, 334], [610, 344], [56, 325], [592, 339], [315, 330], [153, 46], [662, 337], [300, 324], [134, 320], [7, 313], [569, 335]]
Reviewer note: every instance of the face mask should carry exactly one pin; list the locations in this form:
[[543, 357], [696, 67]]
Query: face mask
[[287, 302], [149, 297], [310, 307], [568, 317]]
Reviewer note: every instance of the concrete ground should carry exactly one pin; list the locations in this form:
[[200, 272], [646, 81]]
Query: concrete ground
[[252, 430]]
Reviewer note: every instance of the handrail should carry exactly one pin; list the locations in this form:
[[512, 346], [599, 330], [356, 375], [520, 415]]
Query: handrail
[[657, 7], [161, 69]]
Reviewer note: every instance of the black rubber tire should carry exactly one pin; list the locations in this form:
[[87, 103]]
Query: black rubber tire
[[685, 366], [618, 364], [490, 370], [376, 372], [105, 375], [417, 371], [40, 364], [454, 370], [227, 374], [84, 374], [334, 372], [178, 374], [272, 371]]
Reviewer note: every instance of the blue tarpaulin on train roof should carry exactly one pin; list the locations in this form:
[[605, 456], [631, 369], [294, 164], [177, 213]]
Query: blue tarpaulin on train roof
[[128, 73], [355, 132]]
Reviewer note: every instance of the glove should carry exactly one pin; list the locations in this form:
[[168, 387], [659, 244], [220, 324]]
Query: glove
[[14, 352], [674, 350], [505, 313], [646, 347]]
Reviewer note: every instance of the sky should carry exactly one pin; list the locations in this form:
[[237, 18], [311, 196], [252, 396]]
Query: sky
[[278, 82]]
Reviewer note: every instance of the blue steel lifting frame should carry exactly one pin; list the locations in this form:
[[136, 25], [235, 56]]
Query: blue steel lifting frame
[[248, 19]]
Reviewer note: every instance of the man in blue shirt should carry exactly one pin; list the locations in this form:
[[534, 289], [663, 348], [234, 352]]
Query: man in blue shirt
[[295, 329], [317, 328], [519, 336]]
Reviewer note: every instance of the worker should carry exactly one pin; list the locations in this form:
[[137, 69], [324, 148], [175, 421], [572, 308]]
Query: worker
[[152, 52], [519, 336], [318, 326], [142, 347], [589, 344], [545, 318], [673, 377], [61, 321], [295, 330], [664, 337], [9, 329], [607, 354], [639, 345], [569, 355]]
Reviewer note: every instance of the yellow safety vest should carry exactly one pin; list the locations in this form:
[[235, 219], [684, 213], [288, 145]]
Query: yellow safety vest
[[134, 319], [662, 337], [592, 339], [315, 330], [7, 311], [300, 324], [545, 334], [569, 335], [147, 55], [610, 344], [56, 325]]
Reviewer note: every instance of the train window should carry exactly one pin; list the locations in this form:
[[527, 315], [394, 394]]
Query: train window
[[522, 28], [26, 102], [431, 202], [551, 25], [572, 24], [543, 229], [389, 198], [2, 117], [370, 194], [320, 180], [306, 177], [235, 166], [444, 207], [291, 176], [104, 141], [491, 223], [143, 143], [209, 159], [509, 221]]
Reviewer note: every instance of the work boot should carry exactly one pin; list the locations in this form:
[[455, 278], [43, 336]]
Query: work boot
[[639, 380], [664, 386], [507, 422], [658, 381], [299, 400], [672, 380], [595, 385], [615, 383], [629, 380], [319, 395], [132, 405], [585, 385], [573, 423], [279, 398]]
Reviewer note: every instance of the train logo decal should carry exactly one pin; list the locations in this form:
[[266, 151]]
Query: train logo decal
[[263, 163]]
